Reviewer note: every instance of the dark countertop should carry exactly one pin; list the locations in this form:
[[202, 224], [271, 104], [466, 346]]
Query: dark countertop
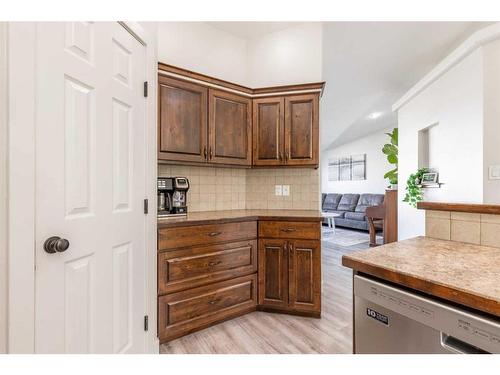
[[459, 272], [213, 217], [460, 207]]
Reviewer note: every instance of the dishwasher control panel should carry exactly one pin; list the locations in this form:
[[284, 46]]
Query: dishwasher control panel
[[391, 299]]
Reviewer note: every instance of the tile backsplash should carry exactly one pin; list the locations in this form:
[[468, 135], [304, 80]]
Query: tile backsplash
[[304, 189], [215, 189], [466, 227], [210, 189]]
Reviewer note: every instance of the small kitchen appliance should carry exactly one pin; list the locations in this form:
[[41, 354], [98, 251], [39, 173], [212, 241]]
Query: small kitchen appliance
[[172, 196]]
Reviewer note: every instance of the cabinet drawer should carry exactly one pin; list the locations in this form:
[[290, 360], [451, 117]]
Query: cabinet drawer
[[196, 266], [184, 312], [169, 238], [290, 229]]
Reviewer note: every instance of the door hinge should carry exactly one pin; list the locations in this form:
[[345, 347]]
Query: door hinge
[[146, 322], [146, 89], [146, 206]]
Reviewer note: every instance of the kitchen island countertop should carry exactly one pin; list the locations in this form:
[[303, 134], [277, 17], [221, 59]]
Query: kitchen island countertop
[[458, 272]]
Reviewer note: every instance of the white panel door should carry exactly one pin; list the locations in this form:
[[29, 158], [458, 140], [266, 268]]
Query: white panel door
[[90, 186]]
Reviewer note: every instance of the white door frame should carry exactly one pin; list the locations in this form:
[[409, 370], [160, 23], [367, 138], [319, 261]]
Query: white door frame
[[3, 187], [21, 183]]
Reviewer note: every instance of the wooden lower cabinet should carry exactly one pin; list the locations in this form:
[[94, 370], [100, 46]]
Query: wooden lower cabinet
[[182, 269], [289, 270], [304, 280], [190, 310], [213, 272], [273, 273]]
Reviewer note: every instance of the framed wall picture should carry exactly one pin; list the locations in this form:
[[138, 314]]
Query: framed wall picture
[[333, 169], [358, 167], [347, 168], [429, 178]]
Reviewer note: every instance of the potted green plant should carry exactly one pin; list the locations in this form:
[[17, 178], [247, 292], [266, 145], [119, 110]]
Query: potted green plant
[[391, 151], [414, 192]]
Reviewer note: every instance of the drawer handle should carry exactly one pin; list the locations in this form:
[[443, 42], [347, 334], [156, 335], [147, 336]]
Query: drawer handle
[[288, 230], [214, 301], [211, 264], [213, 234]]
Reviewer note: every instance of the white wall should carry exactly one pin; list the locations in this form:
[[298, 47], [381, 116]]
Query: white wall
[[202, 48], [3, 187], [491, 151], [288, 56], [455, 103], [292, 55], [376, 165]]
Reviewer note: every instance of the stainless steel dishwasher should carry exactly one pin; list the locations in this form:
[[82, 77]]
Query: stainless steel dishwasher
[[389, 319]]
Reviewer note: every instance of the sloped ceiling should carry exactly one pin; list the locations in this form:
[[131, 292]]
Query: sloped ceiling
[[370, 65]]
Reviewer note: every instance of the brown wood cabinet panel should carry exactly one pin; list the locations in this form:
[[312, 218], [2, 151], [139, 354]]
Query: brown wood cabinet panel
[[304, 275], [173, 238], [182, 121], [188, 311], [301, 129], [230, 128], [192, 267], [273, 273], [268, 131], [290, 229]]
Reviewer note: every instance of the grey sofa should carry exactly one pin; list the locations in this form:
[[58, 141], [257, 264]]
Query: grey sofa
[[351, 208]]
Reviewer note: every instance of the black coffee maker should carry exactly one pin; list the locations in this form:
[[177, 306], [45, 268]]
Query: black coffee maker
[[172, 196]]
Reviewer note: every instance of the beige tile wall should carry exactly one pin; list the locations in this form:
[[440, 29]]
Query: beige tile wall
[[463, 227], [211, 189], [215, 189], [304, 189]]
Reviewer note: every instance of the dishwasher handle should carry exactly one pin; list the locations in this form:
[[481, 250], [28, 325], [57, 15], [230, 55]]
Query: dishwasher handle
[[457, 346]]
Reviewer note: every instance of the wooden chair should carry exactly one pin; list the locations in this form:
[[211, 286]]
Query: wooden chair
[[385, 216]]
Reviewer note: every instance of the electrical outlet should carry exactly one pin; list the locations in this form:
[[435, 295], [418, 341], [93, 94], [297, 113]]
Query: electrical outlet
[[278, 190], [494, 172], [286, 190]]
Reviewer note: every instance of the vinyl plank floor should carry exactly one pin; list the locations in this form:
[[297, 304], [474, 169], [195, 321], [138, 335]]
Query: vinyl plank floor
[[269, 333]]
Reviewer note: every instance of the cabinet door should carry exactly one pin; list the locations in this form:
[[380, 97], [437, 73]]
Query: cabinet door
[[229, 128], [268, 131], [182, 122], [301, 129], [304, 275], [273, 273]]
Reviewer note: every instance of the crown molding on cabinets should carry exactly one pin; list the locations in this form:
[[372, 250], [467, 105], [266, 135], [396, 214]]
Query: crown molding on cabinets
[[190, 76]]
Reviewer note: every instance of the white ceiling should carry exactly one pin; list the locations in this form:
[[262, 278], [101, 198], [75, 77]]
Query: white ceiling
[[252, 29], [370, 65]]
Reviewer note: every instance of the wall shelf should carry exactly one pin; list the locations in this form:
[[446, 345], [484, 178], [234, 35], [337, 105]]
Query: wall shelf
[[427, 186]]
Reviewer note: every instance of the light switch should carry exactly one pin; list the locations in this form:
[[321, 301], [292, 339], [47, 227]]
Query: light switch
[[278, 190], [286, 190], [494, 172]]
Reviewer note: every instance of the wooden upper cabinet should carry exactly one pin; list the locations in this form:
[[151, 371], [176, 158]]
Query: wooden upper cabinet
[[301, 129], [304, 275], [204, 120], [182, 122], [268, 131], [229, 128], [286, 130]]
